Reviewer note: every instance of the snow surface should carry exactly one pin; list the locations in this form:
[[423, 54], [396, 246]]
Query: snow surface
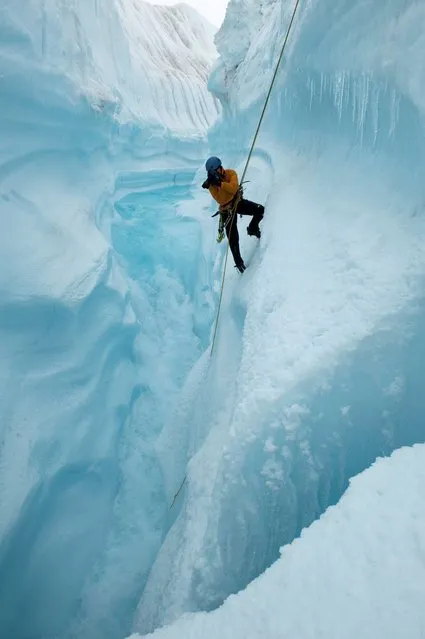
[[357, 572], [213, 11]]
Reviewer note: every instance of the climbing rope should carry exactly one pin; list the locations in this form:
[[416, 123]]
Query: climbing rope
[[233, 213], [254, 141], [178, 492]]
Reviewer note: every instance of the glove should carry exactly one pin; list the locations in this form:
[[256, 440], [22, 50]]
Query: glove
[[214, 179]]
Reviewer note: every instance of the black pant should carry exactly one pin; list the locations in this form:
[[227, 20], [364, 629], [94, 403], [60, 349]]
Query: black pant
[[245, 207]]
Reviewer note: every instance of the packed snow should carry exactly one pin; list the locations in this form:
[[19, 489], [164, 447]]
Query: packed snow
[[357, 572]]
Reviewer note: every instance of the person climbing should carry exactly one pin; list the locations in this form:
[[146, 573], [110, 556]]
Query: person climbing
[[223, 185]]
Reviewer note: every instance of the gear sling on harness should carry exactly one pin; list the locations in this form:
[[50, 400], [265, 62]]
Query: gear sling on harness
[[227, 213]]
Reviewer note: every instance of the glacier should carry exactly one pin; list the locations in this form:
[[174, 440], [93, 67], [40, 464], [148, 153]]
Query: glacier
[[111, 400]]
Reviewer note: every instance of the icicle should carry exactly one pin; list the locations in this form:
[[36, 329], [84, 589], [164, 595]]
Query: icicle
[[322, 80], [347, 89], [311, 87], [394, 112], [363, 100], [338, 93], [375, 114]]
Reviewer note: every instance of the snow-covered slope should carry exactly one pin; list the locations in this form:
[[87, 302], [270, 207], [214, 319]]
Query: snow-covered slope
[[97, 99], [357, 572], [141, 61]]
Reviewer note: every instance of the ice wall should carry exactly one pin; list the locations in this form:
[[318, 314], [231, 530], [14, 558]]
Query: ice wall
[[98, 100], [318, 365]]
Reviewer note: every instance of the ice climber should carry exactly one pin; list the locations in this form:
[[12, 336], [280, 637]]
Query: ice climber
[[223, 184]]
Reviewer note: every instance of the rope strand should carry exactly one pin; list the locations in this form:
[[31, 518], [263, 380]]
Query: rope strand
[[254, 141]]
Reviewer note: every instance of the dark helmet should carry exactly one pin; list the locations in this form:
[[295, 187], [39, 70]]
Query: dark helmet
[[213, 164]]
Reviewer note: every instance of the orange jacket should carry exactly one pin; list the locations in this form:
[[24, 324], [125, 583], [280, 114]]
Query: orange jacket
[[225, 193]]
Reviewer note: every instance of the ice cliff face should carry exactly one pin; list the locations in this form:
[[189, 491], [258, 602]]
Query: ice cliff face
[[142, 61], [98, 101]]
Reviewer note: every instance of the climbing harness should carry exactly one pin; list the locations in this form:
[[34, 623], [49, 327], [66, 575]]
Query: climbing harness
[[220, 236], [254, 141], [234, 204], [226, 214]]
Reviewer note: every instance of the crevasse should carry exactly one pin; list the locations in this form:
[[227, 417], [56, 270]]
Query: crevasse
[[318, 365]]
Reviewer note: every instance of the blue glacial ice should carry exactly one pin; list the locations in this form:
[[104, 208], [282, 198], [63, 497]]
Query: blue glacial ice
[[110, 278], [100, 320]]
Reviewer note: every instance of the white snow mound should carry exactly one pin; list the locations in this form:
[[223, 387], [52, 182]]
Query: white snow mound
[[359, 571]]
